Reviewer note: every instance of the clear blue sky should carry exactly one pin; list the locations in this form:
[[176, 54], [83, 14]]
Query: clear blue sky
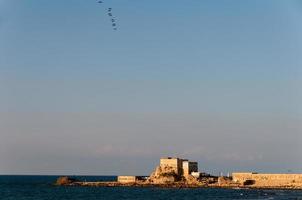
[[172, 68]]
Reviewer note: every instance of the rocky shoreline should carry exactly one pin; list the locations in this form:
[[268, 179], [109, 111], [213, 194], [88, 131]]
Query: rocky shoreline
[[67, 181]]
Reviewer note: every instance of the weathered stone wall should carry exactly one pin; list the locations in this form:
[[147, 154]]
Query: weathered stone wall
[[175, 163], [267, 179], [241, 177]]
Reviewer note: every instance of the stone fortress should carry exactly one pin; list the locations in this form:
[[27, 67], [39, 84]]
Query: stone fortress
[[169, 170], [181, 166], [173, 169], [177, 172]]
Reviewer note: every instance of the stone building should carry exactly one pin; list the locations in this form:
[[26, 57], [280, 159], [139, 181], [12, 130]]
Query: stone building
[[188, 167], [182, 167], [175, 163], [169, 170], [127, 179]]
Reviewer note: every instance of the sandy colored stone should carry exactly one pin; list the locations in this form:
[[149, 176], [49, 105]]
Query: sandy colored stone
[[163, 175]]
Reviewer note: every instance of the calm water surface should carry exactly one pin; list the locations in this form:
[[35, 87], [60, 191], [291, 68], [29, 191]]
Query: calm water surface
[[41, 187]]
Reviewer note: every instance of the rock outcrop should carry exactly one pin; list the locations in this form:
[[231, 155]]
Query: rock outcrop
[[191, 180], [163, 175], [224, 181], [65, 180]]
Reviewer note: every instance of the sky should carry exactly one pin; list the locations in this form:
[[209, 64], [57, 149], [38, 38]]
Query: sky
[[216, 81]]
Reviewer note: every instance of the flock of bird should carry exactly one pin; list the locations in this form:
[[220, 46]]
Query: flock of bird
[[111, 16]]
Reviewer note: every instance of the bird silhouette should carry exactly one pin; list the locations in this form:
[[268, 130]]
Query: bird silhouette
[[112, 18]]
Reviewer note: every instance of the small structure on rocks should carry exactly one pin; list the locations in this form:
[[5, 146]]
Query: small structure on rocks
[[171, 170], [126, 179]]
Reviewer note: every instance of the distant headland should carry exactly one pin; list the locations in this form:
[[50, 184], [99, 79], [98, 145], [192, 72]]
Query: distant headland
[[182, 173]]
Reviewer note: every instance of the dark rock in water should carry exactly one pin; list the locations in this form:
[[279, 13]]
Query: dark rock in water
[[65, 180]]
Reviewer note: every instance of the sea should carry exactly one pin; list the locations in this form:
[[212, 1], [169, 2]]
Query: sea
[[43, 188]]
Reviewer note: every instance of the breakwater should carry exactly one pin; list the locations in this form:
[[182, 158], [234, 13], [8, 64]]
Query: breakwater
[[66, 181]]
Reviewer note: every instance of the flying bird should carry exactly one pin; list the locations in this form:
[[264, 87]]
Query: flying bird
[[112, 18]]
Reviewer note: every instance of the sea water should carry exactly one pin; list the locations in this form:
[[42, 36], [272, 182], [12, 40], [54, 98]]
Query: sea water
[[41, 187]]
